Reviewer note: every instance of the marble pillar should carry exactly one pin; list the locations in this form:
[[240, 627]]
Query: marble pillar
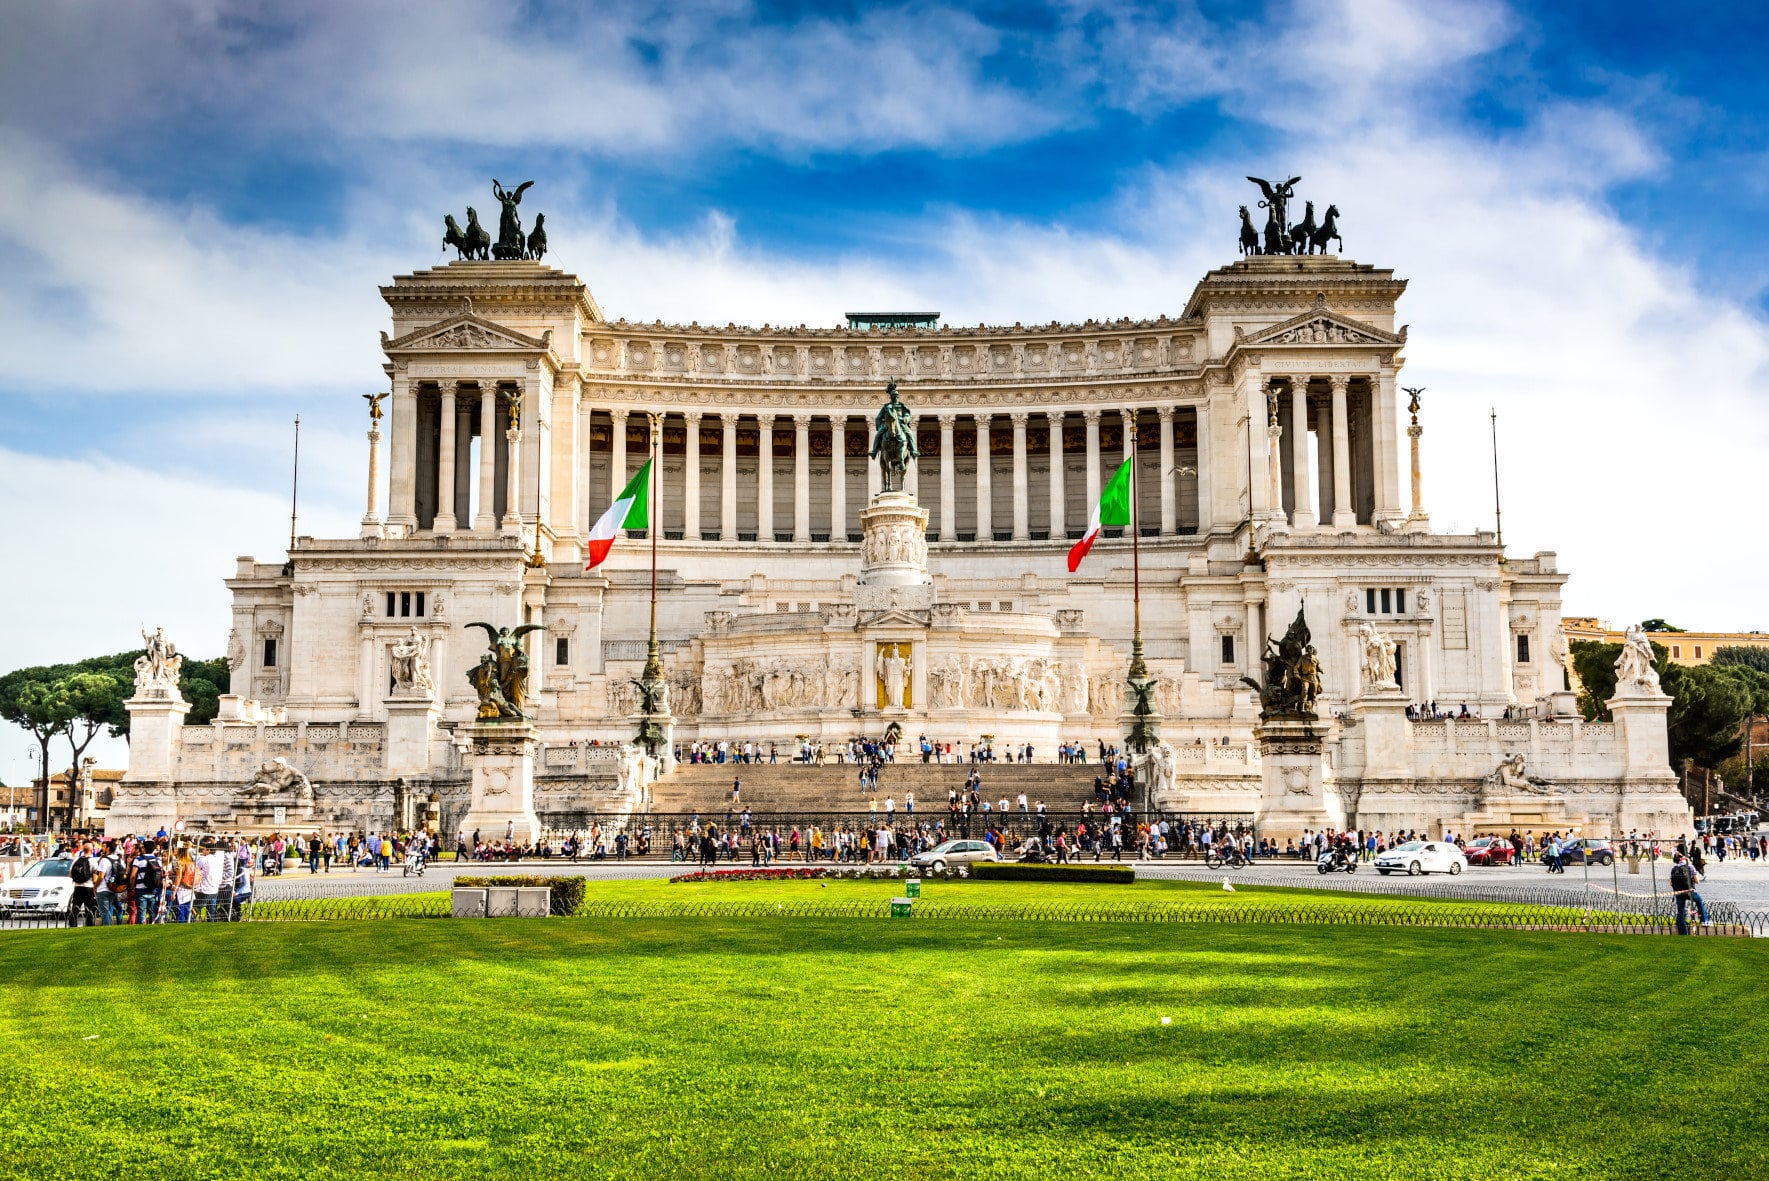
[[948, 480], [1344, 511], [985, 482], [1091, 417], [1054, 420], [402, 512], [371, 520], [691, 477], [445, 462], [801, 477], [485, 516], [1302, 514], [728, 477], [765, 479], [838, 478], [1021, 491], [1169, 495]]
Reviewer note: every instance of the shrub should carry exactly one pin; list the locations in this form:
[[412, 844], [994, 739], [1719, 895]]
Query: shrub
[[567, 896], [1010, 871]]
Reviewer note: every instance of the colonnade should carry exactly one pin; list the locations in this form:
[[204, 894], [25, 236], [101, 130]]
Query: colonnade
[[969, 498], [433, 483], [1354, 433]]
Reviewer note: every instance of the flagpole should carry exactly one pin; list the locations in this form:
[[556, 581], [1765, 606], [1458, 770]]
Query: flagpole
[[653, 665]]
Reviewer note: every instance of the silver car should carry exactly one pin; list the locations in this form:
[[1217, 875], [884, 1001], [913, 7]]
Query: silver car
[[43, 889], [953, 853]]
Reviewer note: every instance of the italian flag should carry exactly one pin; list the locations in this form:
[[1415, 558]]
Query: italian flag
[[1113, 509], [630, 510]]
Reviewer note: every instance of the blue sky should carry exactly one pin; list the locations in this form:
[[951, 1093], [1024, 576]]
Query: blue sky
[[198, 198]]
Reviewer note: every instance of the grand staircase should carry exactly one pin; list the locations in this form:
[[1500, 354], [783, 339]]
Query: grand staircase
[[835, 787]]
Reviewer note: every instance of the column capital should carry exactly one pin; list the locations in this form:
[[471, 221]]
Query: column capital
[[1020, 418], [1298, 381], [692, 417], [619, 415], [1091, 415], [948, 420], [1127, 413], [1339, 381], [802, 420], [1165, 412]]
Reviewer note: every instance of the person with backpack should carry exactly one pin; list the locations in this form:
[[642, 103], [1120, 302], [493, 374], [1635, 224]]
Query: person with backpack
[[1683, 879], [144, 883], [83, 904]]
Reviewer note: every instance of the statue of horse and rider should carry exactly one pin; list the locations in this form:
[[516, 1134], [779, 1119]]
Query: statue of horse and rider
[[893, 440], [1305, 237]]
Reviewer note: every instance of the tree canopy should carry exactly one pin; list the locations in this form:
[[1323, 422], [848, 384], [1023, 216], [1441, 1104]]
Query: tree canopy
[[1757, 658], [1658, 625], [1709, 702]]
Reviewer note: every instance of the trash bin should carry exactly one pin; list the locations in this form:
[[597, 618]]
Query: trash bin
[[912, 888], [900, 907], [1633, 863]]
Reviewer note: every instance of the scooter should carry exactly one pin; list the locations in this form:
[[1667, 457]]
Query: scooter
[[1334, 860], [414, 863]]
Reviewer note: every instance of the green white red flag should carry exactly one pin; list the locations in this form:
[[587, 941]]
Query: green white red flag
[[630, 510], [1113, 509]]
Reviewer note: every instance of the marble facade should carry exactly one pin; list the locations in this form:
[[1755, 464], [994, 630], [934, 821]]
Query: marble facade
[[1271, 453]]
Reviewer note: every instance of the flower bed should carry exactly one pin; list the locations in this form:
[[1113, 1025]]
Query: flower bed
[[815, 872]]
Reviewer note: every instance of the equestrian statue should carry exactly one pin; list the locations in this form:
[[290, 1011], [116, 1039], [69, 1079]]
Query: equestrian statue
[[893, 440]]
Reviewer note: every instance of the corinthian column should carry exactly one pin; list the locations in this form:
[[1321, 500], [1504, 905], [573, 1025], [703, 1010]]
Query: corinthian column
[[801, 477], [1169, 501], [985, 482], [691, 477], [512, 522], [838, 477], [765, 479], [948, 480], [1344, 511], [485, 516], [728, 477], [1301, 515], [1417, 520], [445, 464], [1091, 417], [617, 456], [371, 520], [1021, 492], [404, 508], [1058, 529]]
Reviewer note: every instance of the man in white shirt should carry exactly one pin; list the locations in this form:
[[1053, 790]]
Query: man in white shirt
[[1023, 803], [101, 881], [209, 866]]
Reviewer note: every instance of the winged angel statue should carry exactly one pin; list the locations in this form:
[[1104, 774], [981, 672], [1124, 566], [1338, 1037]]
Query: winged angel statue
[[501, 676]]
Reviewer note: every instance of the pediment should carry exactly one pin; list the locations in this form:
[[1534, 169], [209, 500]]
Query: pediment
[[1321, 327], [469, 333], [896, 616]]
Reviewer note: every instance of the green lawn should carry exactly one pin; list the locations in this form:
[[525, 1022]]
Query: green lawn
[[876, 1049]]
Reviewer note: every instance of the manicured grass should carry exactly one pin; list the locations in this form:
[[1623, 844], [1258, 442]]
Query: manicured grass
[[806, 1048]]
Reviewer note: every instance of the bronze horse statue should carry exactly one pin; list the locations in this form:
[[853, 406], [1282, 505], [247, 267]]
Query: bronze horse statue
[[1303, 231], [1249, 235], [1329, 231]]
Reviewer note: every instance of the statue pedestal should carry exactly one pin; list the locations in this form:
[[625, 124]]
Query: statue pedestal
[[411, 722], [666, 745], [1297, 795], [1381, 712], [1649, 799], [500, 758], [893, 556], [147, 800]]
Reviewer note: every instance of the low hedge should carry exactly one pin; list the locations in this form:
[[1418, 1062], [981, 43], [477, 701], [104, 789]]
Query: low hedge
[[568, 892], [1014, 871]]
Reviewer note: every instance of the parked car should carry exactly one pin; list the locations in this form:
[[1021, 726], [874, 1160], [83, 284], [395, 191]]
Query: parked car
[[1593, 849], [954, 853], [1489, 851], [1417, 857], [44, 888]]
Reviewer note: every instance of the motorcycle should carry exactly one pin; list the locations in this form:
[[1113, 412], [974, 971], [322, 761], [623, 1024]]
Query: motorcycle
[[414, 863], [1335, 861]]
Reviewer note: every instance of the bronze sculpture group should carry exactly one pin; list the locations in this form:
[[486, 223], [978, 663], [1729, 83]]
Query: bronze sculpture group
[[1280, 237], [501, 676], [1292, 674], [474, 242]]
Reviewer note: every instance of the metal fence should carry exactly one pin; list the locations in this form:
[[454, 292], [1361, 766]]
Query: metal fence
[[1561, 914]]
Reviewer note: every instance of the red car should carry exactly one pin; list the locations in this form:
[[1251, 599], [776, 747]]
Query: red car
[[1489, 851]]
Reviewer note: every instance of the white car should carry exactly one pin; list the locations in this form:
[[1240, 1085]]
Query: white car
[[955, 853], [44, 888], [1417, 857]]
